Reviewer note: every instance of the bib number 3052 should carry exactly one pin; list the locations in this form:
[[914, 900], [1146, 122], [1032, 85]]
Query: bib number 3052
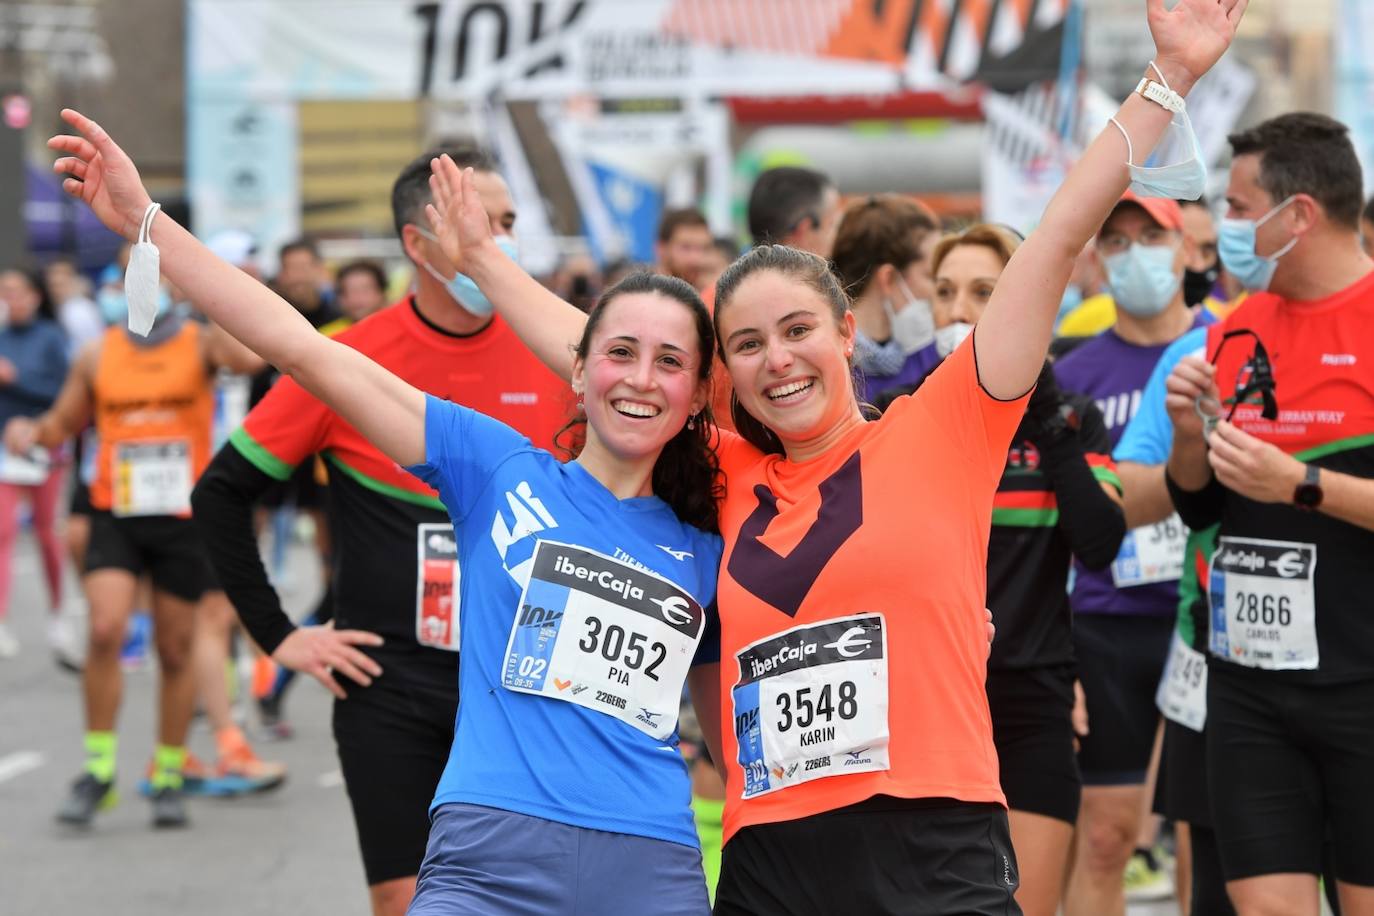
[[602, 634], [812, 702]]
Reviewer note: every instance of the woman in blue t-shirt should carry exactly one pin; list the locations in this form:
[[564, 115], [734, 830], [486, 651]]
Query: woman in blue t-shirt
[[585, 588]]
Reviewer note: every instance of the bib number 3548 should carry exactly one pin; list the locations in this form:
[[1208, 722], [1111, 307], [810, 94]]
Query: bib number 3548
[[812, 702]]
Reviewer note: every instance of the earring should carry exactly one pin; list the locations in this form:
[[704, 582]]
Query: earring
[[580, 407], [692, 421]]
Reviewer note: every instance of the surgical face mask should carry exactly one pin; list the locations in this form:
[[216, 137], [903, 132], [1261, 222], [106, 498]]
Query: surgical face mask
[[912, 325], [1236, 245], [1142, 278], [114, 305], [461, 287], [1184, 180], [948, 338]]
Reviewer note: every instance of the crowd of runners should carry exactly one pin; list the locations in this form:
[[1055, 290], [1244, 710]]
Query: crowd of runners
[[881, 567]]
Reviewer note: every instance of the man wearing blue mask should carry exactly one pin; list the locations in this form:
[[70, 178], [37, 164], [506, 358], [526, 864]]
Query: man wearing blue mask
[[1123, 615], [1274, 440]]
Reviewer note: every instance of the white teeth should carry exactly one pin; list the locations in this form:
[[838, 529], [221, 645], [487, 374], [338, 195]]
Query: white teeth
[[792, 388], [635, 410]]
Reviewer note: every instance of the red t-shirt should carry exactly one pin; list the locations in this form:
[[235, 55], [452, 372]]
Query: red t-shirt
[[392, 536], [853, 645]]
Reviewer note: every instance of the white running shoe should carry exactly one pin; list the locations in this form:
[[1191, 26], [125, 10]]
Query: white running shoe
[[9, 646], [66, 636]]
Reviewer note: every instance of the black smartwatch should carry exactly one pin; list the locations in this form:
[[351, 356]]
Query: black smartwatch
[[1308, 494]]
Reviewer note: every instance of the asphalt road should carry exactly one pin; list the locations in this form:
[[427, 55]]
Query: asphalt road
[[290, 851]]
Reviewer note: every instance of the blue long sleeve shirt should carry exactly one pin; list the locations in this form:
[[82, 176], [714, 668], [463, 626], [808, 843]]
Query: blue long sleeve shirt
[[38, 350]]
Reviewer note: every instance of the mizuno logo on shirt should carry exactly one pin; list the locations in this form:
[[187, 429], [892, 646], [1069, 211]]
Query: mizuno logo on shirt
[[1338, 359], [679, 555], [519, 397]]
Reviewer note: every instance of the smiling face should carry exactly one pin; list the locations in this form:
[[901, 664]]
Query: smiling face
[[640, 376], [788, 357]]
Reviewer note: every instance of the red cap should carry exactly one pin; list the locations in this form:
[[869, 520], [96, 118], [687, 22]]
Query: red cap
[[1162, 210]]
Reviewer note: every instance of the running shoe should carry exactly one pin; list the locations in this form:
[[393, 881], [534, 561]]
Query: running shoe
[[9, 646], [87, 796], [169, 808], [67, 643], [242, 772], [270, 714], [195, 776], [1145, 879]]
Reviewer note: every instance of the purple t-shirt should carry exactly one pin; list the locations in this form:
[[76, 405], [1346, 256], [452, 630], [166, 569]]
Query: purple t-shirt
[[1113, 373], [917, 366]]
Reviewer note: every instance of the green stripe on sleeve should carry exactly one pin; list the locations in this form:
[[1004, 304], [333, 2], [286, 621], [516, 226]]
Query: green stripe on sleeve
[[259, 456], [1107, 475], [1025, 518], [1331, 448], [386, 489]]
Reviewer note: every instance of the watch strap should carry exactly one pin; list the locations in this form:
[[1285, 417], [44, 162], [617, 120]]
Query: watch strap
[[1160, 94]]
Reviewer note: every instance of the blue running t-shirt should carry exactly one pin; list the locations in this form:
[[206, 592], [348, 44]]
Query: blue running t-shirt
[[579, 613]]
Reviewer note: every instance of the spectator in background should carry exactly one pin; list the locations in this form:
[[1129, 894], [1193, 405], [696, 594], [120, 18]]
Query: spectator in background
[[882, 257], [1202, 268], [76, 310], [721, 255], [797, 207], [360, 289], [578, 280], [619, 269], [33, 363], [684, 244], [301, 279]]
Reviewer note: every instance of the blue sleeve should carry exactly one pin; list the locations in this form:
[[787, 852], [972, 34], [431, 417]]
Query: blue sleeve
[[708, 650], [462, 448], [710, 548], [41, 372], [1150, 434]]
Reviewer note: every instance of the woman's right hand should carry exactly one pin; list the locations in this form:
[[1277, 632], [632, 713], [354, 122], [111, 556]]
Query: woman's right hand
[[460, 221], [322, 651], [101, 174]]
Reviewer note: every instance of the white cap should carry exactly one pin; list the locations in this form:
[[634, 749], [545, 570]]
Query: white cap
[[233, 245]]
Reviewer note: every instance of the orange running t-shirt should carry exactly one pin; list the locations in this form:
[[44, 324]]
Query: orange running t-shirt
[[852, 589], [154, 408]]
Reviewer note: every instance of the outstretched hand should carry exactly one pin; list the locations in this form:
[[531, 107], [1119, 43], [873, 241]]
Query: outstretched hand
[[100, 174], [460, 221], [1192, 36]]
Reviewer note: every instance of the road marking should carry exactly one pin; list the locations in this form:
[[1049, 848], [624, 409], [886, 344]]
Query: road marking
[[330, 780], [19, 763]]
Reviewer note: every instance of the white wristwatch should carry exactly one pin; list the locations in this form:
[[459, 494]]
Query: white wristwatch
[[1161, 95]]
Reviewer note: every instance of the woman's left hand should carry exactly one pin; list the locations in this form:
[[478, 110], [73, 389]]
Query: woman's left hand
[[1192, 36]]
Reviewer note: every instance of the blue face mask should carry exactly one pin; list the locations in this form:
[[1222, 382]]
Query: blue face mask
[[1142, 279], [1236, 246], [1181, 181], [114, 305], [461, 287]]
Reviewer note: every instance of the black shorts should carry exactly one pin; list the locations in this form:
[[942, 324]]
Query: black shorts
[[80, 503], [1120, 660], [301, 489], [882, 856], [1286, 763], [1181, 787], [167, 548], [1033, 731], [393, 740]]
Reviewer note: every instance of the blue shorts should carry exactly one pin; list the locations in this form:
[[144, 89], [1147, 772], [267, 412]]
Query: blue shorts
[[498, 863]]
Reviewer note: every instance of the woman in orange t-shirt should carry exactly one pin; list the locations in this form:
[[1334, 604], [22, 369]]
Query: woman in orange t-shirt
[[859, 761]]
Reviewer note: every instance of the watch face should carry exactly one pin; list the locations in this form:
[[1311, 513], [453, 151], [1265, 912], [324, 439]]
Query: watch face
[[1308, 496]]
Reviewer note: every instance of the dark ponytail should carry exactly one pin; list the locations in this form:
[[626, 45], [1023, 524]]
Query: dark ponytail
[[687, 473]]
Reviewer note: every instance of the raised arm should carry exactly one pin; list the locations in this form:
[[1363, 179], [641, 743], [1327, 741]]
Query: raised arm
[[545, 323], [382, 407], [1014, 332]]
